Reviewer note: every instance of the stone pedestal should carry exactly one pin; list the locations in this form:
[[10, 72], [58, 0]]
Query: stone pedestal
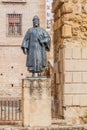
[[36, 102]]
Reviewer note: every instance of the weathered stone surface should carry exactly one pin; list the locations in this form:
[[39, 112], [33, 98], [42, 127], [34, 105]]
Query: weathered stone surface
[[71, 37], [77, 77], [75, 115], [66, 8], [55, 126], [68, 77], [66, 31], [75, 88], [36, 102], [8, 128]]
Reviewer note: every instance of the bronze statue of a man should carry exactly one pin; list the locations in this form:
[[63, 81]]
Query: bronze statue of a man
[[35, 44]]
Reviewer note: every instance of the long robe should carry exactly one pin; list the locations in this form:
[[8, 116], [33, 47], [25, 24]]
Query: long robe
[[36, 49]]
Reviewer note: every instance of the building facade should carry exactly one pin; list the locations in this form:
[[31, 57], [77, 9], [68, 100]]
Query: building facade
[[16, 17], [70, 60]]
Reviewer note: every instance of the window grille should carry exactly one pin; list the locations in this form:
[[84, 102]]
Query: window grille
[[14, 24]]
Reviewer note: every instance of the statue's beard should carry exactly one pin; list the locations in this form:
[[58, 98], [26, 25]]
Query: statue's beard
[[36, 25]]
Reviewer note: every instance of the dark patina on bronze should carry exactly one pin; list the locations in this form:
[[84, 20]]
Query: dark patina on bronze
[[35, 44]]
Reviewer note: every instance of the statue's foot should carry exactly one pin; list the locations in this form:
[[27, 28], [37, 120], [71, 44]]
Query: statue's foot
[[39, 74], [33, 74]]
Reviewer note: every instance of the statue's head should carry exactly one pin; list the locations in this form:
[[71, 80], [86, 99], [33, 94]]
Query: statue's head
[[36, 21]]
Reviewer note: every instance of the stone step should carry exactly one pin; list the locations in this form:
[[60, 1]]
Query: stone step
[[56, 127], [58, 122]]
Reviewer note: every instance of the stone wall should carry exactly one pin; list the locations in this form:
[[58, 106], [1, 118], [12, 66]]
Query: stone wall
[[12, 60], [70, 57]]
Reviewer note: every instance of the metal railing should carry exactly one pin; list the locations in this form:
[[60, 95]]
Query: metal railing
[[10, 110]]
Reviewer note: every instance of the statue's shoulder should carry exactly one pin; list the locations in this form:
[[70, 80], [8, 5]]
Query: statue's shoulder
[[42, 29], [30, 29]]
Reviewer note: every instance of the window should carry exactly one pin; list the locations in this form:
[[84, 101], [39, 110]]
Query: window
[[14, 24]]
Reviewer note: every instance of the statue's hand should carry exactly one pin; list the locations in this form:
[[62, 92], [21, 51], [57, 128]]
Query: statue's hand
[[42, 41], [25, 51]]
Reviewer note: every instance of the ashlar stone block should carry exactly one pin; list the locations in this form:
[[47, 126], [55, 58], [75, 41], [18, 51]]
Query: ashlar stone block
[[36, 102], [67, 31]]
